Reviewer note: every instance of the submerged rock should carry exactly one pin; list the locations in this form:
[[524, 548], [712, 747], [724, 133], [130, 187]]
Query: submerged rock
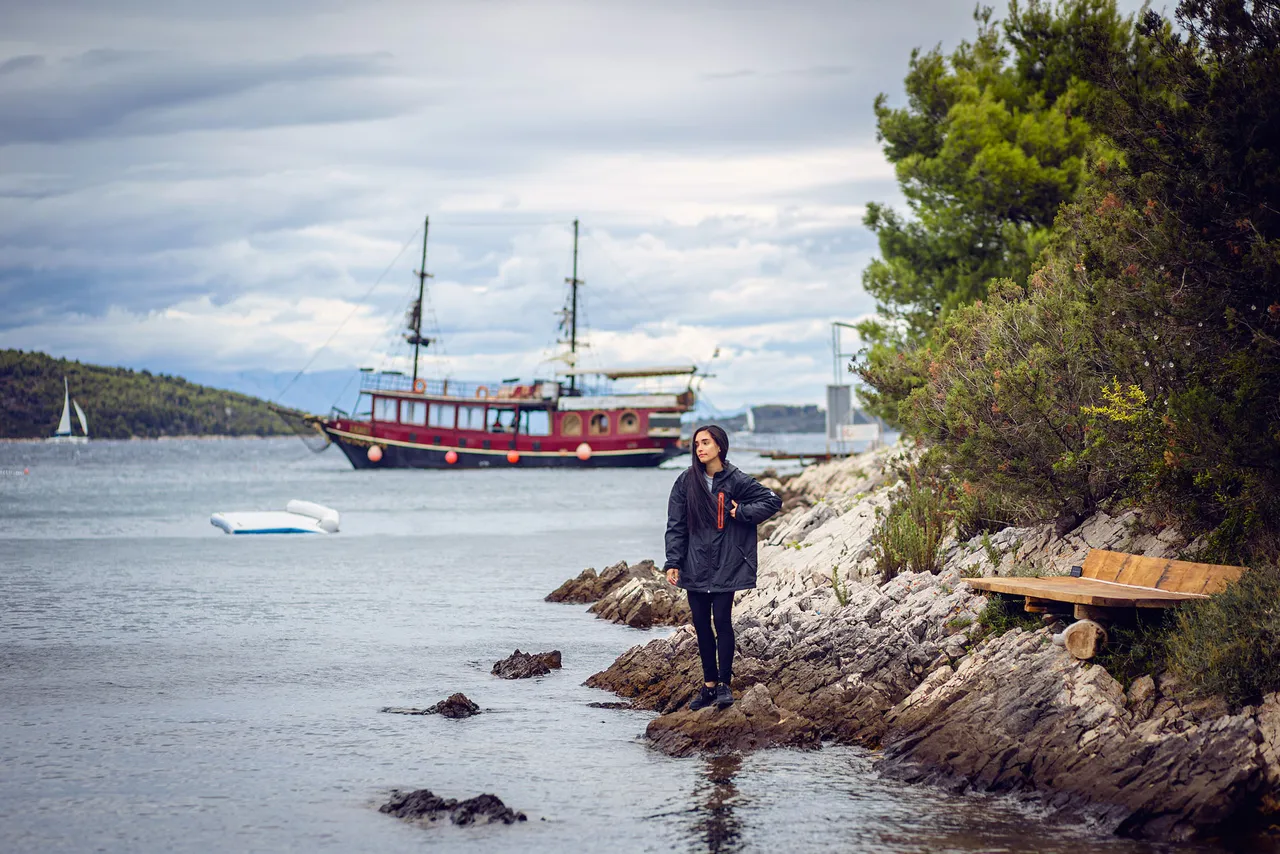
[[523, 665], [753, 722], [455, 706], [425, 807]]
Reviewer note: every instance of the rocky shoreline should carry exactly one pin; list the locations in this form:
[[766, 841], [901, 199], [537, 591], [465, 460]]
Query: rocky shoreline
[[825, 652]]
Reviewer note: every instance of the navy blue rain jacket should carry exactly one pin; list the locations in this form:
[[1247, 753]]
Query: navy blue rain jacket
[[722, 556]]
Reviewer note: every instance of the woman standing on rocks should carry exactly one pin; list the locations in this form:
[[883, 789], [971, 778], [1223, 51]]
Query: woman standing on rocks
[[711, 551]]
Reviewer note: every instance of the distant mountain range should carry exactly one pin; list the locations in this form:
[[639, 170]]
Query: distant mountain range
[[316, 392]]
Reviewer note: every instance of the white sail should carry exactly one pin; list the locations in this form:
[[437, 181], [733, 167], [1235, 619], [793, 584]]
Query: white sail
[[64, 425], [84, 422]]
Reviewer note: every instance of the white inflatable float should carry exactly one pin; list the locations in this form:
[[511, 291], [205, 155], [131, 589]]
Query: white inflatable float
[[298, 517]]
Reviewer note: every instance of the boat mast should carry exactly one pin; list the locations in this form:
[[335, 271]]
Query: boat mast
[[573, 311], [423, 275]]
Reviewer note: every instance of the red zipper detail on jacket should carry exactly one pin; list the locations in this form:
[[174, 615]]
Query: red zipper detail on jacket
[[720, 512]]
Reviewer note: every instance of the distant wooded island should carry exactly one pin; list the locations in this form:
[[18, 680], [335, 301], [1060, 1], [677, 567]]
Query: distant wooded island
[[121, 403]]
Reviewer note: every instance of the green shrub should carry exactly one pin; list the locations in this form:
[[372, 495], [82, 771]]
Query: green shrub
[[1229, 644], [1004, 613], [993, 554], [839, 587], [910, 535], [1137, 357], [1140, 649]]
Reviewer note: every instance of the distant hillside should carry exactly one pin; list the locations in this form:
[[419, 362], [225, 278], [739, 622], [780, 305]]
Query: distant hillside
[[120, 403]]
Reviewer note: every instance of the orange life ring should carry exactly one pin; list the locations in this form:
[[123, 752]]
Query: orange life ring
[[482, 391], [420, 386]]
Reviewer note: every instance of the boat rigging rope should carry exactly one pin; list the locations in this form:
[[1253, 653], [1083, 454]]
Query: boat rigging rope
[[352, 314]]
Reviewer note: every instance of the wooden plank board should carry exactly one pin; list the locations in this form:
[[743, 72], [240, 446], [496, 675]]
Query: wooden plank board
[[1178, 576], [1103, 565], [1083, 591], [1144, 571]]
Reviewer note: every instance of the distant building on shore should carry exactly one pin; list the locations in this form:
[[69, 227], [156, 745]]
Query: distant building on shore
[[771, 418]]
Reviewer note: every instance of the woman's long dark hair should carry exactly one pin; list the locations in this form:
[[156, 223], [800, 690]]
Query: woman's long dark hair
[[700, 509]]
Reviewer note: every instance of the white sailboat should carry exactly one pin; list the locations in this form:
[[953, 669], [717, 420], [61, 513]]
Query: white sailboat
[[64, 433]]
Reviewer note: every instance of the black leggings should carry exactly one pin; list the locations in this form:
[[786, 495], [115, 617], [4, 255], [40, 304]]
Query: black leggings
[[707, 607]]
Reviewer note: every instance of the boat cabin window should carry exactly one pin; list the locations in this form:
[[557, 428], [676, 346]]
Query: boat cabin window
[[442, 415], [413, 412], [535, 422], [470, 417], [384, 409], [571, 425], [599, 424], [629, 422], [502, 419], [364, 406]]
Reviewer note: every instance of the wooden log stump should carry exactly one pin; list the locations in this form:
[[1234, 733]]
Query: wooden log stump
[[1084, 639], [1101, 616]]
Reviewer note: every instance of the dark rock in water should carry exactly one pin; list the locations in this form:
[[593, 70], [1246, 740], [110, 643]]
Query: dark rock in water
[[522, 665], [425, 807], [456, 706], [613, 705], [752, 723], [638, 596]]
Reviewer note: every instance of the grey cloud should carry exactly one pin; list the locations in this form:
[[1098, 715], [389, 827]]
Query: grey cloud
[[729, 75], [18, 63], [109, 92], [136, 186]]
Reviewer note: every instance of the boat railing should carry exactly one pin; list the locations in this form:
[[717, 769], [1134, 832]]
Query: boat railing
[[445, 388]]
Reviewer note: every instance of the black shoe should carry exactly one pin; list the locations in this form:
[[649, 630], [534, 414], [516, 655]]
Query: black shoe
[[724, 697], [703, 698]]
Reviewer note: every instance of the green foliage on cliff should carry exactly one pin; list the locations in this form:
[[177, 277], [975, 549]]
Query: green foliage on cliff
[[1229, 644], [992, 140], [121, 404], [909, 538], [1140, 360]]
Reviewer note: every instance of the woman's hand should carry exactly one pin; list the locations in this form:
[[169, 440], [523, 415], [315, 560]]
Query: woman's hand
[[733, 511], [673, 575]]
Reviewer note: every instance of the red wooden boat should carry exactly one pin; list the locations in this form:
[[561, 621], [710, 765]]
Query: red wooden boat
[[411, 422], [445, 424]]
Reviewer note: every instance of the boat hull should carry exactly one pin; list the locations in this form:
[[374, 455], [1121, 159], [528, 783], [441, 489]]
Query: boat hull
[[405, 456]]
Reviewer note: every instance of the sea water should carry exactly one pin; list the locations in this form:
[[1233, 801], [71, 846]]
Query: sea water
[[167, 687]]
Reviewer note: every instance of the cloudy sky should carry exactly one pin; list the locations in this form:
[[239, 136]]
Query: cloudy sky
[[195, 186]]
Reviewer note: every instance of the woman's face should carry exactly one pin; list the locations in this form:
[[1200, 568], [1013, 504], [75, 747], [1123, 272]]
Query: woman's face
[[705, 447]]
